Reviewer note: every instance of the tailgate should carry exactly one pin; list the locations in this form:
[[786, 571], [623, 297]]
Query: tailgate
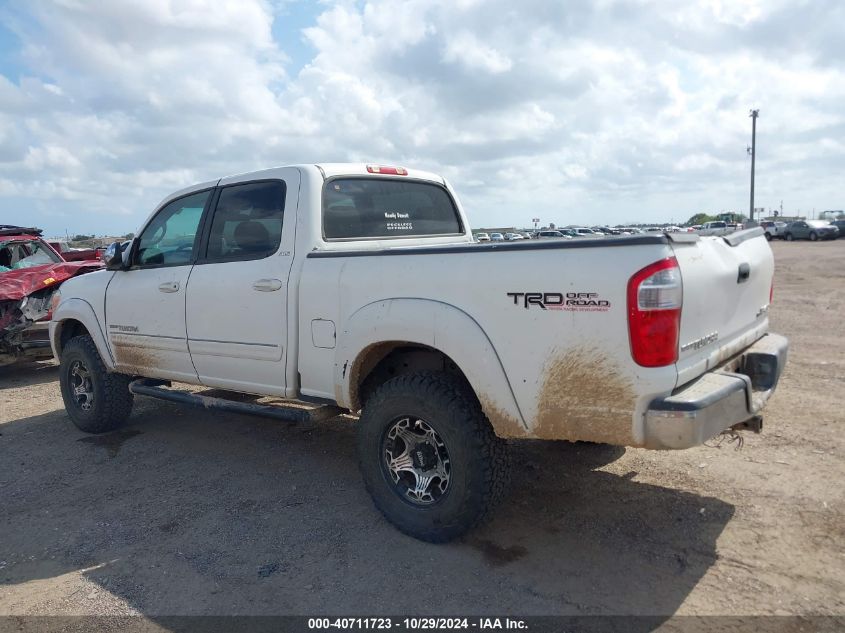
[[726, 284]]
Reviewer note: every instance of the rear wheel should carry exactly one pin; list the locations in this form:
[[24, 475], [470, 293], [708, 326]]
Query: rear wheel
[[789, 237], [96, 400], [768, 236], [428, 456], [813, 236]]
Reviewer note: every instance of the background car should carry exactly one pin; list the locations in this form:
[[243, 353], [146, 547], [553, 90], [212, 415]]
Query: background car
[[811, 230], [76, 254], [840, 224], [510, 237], [497, 237], [482, 237], [30, 272], [545, 235], [774, 229], [581, 231]]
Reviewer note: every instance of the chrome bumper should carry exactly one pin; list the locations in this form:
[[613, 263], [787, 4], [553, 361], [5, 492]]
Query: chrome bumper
[[719, 399]]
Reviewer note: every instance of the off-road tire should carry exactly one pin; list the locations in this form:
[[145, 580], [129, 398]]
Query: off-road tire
[[480, 461], [112, 400]]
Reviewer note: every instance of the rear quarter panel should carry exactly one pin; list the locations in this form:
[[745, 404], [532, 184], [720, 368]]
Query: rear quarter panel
[[568, 367]]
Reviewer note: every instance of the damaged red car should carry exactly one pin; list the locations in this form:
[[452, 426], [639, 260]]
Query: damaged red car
[[30, 272]]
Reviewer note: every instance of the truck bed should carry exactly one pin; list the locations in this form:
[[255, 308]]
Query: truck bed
[[553, 315]]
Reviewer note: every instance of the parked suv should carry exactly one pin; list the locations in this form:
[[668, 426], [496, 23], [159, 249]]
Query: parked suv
[[811, 230], [553, 234]]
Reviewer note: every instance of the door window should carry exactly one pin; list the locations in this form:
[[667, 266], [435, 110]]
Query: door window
[[169, 238], [247, 222]]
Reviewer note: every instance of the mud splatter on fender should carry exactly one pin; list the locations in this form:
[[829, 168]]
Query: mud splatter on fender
[[585, 397], [133, 360], [504, 424]]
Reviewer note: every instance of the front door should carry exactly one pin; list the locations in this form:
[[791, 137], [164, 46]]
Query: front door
[[145, 305], [237, 291]]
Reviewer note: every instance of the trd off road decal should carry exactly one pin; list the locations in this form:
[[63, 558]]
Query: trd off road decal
[[567, 302]]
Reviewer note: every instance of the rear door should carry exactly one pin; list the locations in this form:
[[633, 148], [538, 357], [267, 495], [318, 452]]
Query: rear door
[[237, 292], [727, 283]]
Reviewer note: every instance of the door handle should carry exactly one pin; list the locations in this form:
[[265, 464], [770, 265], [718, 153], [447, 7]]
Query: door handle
[[169, 286], [267, 285]]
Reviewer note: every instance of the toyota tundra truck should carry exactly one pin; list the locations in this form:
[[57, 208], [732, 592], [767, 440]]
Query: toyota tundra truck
[[358, 288]]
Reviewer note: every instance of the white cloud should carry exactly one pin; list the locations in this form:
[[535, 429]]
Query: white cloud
[[465, 49], [576, 112]]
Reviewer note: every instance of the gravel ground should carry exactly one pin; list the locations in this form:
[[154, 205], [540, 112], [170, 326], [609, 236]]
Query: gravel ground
[[187, 512]]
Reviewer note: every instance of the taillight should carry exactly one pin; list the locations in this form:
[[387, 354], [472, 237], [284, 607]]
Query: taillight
[[655, 297], [384, 169]]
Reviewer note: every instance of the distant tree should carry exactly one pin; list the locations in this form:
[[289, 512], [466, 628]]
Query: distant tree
[[81, 238], [700, 218], [128, 236], [552, 225]]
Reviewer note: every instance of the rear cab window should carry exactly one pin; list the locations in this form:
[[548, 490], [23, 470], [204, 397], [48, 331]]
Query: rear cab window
[[382, 208]]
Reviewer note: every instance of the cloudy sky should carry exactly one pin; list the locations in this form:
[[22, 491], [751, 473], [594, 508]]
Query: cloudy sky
[[574, 112]]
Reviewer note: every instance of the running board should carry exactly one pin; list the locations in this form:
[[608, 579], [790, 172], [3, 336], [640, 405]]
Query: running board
[[153, 389]]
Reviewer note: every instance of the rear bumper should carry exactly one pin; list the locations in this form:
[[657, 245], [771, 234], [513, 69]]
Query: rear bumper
[[719, 399]]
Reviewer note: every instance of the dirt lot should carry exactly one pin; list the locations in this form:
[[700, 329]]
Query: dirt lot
[[187, 512]]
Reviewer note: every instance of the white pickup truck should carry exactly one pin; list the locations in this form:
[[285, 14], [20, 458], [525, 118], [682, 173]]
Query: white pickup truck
[[359, 288], [718, 228]]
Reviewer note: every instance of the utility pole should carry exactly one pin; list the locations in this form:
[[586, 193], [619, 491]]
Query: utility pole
[[754, 114]]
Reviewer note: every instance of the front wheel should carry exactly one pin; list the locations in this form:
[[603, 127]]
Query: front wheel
[[789, 237], [429, 457], [813, 236], [768, 237], [96, 400]]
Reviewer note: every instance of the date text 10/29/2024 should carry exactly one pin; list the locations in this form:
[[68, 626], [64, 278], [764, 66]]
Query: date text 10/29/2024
[[417, 624]]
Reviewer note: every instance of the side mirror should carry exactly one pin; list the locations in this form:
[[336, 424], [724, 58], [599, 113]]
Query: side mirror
[[128, 248], [113, 257]]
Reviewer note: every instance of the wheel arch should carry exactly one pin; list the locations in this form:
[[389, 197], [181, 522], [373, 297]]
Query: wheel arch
[[76, 317], [409, 335]]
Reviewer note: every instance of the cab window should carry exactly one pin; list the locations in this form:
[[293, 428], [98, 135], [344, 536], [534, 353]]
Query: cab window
[[168, 240], [356, 208], [247, 222]]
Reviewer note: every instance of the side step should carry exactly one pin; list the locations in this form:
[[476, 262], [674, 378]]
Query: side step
[[154, 389]]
